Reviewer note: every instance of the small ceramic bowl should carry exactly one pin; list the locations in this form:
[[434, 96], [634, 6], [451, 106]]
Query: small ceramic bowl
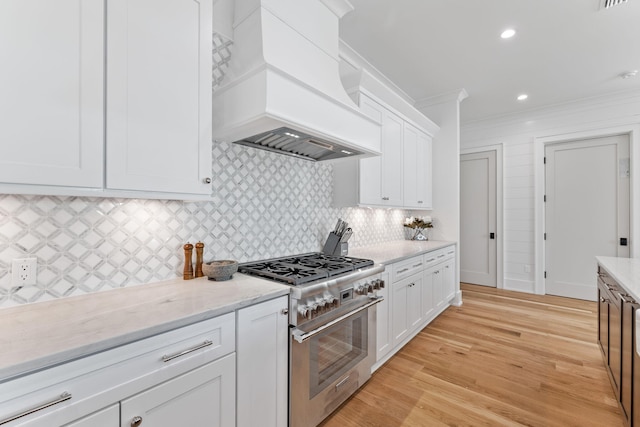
[[220, 270]]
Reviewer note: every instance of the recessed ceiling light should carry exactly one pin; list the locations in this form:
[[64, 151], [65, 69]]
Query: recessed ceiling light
[[522, 97], [508, 33]]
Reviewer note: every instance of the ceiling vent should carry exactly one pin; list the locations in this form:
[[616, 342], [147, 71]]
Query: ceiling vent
[[606, 4]]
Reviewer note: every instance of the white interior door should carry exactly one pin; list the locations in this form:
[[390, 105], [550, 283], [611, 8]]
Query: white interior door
[[478, 218], [586, 211]]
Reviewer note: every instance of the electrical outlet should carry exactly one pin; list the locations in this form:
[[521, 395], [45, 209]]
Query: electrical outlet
[[23, 271]]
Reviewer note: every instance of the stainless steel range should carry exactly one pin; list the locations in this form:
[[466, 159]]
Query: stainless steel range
[[333, 328]]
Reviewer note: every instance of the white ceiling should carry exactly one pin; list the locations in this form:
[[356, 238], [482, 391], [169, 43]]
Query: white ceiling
[[563, 50]]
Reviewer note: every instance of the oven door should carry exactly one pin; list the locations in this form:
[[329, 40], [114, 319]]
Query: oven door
[[329, 363]]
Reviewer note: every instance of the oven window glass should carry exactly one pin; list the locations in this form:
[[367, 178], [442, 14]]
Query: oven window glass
[[337, 350]]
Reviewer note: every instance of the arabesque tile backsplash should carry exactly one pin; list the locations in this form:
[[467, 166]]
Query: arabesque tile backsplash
[[264, 205]]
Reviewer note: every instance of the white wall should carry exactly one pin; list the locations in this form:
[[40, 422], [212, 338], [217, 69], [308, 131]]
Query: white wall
[[522, 137]]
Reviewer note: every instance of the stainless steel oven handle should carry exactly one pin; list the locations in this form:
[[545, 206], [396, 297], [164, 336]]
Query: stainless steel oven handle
[[301, 336]]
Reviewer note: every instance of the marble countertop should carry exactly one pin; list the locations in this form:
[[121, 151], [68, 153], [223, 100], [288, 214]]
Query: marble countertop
[[35, 336], [625, 271], [390, 252]]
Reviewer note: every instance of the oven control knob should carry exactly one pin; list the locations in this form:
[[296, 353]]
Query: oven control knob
[[370, 287], [380, 283], [362, 289], [304, 311], [330, 301]]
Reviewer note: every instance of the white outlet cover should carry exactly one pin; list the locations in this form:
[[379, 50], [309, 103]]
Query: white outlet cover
[[23, 271]]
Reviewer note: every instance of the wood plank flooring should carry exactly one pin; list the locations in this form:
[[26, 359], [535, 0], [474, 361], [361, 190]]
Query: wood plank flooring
[[501, 359]]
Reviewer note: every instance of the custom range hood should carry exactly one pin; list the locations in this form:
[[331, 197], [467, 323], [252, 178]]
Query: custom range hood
[[282, 90]]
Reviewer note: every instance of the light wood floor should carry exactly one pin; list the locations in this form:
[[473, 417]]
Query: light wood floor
[[502, 359]]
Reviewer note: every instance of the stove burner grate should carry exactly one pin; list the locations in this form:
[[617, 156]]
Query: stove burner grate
[[301, 269]]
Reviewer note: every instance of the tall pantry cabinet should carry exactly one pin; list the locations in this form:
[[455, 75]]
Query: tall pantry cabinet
[[106, 97]]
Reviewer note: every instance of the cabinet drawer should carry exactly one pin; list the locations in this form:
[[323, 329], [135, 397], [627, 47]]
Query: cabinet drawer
[[407, 268], [435, 257], [94, 382]]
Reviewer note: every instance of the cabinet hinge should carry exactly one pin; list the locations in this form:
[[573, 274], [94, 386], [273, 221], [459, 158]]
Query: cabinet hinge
[[545, 198], [544, 160], [545, 274], [545, 236]]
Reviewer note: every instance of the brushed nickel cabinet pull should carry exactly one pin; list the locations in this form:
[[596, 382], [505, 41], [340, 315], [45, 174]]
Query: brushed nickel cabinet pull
[[136, 421], [207, 343], [341, 383], [63, 397], [284, 311]]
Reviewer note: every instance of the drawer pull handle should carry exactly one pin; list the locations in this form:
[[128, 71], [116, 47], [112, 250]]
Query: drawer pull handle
[[63, 397], [187, 351], [431, 259], [403, 270], [440, 256], [341, 383], [136, 421], [417, 265]]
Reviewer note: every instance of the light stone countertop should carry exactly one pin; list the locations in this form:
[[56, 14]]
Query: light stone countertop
[[625, 271], [390, 252], [38, 335]]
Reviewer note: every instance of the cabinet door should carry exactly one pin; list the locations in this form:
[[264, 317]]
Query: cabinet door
[[399, 324], [384, 338], [449, 279], [202, 397], [424, 176], [108, 417], [414, 302], [392, 176], [603, 320], [159, 95], [406, 307], [628, 350], [51, 81], [429, 292], [370, 169], [262, 351]]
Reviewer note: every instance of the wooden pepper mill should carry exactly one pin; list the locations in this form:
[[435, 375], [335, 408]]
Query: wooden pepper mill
[[199, 251], [188, 266]]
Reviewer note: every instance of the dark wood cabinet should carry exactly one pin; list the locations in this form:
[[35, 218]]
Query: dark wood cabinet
[[635, 393], [617, 339]]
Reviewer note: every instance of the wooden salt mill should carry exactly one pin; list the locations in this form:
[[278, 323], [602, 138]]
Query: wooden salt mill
[[188, 266], [199, 250]]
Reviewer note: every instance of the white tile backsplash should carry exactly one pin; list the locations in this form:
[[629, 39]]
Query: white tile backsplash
[[264, 205]]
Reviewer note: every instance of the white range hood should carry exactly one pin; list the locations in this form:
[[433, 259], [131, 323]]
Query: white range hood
[[282, 89]]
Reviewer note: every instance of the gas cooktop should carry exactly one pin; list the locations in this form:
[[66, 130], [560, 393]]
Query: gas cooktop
[[298, 270]]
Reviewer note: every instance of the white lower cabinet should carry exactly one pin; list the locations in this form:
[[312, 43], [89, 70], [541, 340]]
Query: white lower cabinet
[[202, 397], [262, 351], [188, 371], [406, 310], [421, 288]]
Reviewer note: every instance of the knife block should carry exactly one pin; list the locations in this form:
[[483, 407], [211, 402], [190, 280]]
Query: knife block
[[332, 244]]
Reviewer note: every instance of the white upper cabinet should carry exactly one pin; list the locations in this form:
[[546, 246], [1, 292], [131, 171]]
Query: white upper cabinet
[[150, 137], [51, 86], [380, 178], [159, 95], [400, 177], [417, 169]]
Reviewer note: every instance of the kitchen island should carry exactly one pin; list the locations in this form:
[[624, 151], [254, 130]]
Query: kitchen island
[[619, 331]]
